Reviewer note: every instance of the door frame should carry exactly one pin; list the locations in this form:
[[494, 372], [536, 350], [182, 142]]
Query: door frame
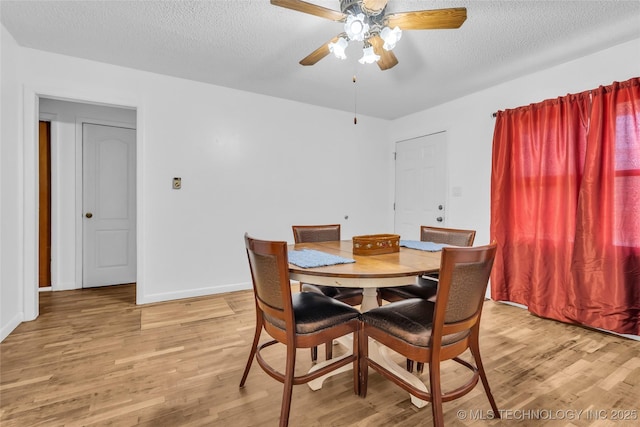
[[28, 205]]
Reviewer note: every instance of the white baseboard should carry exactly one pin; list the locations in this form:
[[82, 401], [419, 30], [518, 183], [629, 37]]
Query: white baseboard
[[515, 304], [68, 286], [631, 337], [191, 293], [9, 327]]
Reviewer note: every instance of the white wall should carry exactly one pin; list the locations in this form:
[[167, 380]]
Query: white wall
[[11, 296], [248, 163], [469, 124]]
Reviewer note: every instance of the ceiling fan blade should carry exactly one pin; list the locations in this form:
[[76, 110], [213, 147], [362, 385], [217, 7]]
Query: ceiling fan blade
[[318, 54], [387, 58], [311, 9], [428, 19]]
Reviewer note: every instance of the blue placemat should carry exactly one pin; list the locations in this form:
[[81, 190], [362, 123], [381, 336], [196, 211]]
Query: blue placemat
[[308, 258], [422, 246]]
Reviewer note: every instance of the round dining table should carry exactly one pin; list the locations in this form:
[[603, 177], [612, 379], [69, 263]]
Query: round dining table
[[368, 272]]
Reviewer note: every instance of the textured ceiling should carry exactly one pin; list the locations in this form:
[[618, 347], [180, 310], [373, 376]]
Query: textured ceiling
[[254, 46]]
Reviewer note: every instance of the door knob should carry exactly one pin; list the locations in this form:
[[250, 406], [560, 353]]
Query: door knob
[[88, 214], [440, 207], [439, 219]]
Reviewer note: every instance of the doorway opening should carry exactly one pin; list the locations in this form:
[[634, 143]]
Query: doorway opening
[[67, 191]]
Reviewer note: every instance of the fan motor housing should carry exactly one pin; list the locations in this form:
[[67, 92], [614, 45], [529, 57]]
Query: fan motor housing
[[357, 6]]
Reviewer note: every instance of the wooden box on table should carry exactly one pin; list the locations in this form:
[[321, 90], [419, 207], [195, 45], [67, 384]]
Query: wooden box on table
[[376, 244]]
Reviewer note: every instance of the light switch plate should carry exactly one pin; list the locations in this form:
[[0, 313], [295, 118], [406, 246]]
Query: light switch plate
[[177, 183]]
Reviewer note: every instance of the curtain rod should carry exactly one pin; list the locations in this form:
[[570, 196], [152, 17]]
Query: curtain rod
[[494, 114]]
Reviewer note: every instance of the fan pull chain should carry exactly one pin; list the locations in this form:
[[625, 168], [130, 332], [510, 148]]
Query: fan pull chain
[[355, 101]]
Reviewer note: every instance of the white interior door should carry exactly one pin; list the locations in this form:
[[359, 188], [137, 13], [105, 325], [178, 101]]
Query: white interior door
[[109, 211], [420, 184]]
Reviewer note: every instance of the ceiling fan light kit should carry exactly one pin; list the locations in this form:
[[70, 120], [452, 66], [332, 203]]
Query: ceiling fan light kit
[[339, 48], [368, 56], [390, 37], [367, 21], [356, 27]]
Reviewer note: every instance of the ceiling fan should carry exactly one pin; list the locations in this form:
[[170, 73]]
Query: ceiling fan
[[368, 22]]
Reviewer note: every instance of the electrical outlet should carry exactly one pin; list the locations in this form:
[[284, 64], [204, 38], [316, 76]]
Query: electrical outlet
[[177, 183]]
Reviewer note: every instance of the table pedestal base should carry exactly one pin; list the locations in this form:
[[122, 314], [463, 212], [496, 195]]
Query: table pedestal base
[[369, 299], [379, 354]]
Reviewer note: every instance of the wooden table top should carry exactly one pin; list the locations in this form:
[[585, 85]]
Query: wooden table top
[[405, 263]]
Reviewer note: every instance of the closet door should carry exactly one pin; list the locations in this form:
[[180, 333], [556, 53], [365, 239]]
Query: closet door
[[109, 210]]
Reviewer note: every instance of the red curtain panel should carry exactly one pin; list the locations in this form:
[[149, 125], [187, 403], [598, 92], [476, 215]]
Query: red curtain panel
[[565, 207]]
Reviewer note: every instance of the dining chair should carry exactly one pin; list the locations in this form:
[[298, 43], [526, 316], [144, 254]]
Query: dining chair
[[427, 285], [300, 320], [351, 296], [433, 332]]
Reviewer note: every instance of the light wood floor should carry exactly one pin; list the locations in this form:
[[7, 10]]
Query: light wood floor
[[95, 358]]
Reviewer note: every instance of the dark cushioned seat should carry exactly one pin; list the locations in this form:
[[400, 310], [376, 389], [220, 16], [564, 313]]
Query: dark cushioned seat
[[314, 312], [425, 288], [410, 320], [341, 294]]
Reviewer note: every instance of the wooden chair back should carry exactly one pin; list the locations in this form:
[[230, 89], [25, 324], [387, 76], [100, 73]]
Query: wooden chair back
[[464, 275], [448, 236], [316, 233], [268, 262]]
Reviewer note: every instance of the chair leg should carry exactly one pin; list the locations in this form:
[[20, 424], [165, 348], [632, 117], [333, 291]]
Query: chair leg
[[419, 366], [328, 350], [475, 351], [252, 353], [436, 394], [289, 373], [363, 354], [409, 365], [356, 363]]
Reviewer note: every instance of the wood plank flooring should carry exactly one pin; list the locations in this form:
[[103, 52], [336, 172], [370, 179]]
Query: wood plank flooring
[[94, 358]]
